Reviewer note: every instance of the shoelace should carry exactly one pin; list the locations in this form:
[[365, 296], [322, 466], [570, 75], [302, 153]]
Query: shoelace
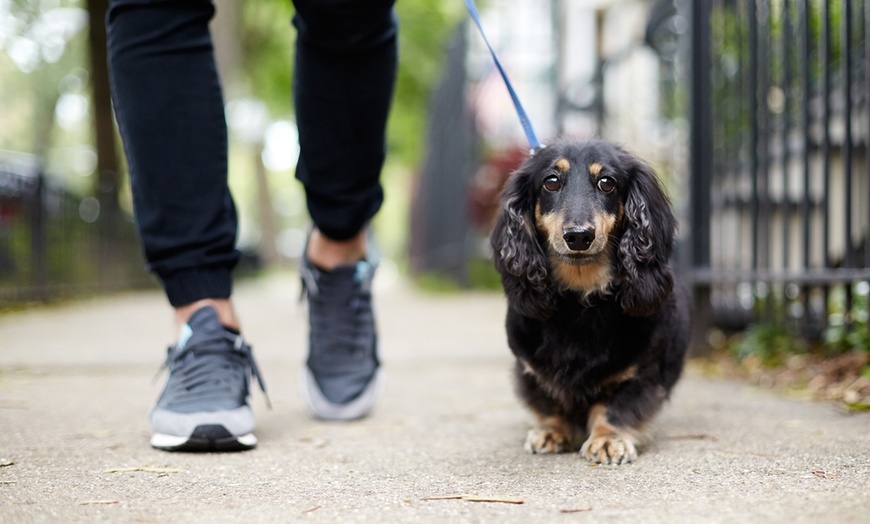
[[194, 379], [342, 311]]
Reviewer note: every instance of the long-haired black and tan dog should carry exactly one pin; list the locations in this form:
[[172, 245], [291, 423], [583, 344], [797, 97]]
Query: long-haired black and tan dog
[[582, 243]]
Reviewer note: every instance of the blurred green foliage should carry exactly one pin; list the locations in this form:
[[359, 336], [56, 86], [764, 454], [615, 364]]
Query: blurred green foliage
[[848, 333], [267, 38], [424, 30], [481, 276], [42, 57], [771, 343]]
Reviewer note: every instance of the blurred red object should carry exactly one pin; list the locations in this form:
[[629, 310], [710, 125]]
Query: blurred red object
[[484, 195]]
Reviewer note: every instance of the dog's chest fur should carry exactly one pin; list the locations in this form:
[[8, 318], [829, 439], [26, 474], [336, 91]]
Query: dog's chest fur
[[578, 350]]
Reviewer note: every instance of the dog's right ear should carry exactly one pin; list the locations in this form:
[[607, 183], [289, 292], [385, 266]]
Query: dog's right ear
[[517, 253]]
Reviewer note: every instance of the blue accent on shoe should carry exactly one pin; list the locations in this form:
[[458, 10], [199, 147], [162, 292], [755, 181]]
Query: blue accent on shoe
[[363, 269], [184, 335], [341, 377]]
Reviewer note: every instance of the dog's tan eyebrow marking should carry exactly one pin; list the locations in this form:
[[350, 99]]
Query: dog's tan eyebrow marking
[[595, 168], [563, 165]]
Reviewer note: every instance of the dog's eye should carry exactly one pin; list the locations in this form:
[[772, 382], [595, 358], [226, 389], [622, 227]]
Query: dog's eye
[[552, 183], [606, 184]]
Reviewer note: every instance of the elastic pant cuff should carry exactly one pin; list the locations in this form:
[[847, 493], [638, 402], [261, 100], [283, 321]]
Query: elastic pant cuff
[[185, 287]]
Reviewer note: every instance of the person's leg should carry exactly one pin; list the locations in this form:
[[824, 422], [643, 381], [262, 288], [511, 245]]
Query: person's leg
[[345, 71], [170, 112], [169, 108]]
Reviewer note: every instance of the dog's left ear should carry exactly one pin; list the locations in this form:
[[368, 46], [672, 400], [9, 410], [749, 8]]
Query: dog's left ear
[[517, 253], [646, 244]]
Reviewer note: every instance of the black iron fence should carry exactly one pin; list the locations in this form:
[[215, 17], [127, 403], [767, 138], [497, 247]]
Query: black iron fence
[[780, 202], [53, 243]]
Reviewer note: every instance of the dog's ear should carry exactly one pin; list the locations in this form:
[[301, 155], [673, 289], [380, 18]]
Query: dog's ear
[[517, 253], [646, 243]]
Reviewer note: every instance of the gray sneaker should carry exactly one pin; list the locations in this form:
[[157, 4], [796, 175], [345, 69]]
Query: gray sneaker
[[204, 405], [342, 378]]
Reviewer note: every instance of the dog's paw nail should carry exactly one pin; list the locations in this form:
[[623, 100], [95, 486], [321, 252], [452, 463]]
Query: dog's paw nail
[[546, 441], [609, 450]]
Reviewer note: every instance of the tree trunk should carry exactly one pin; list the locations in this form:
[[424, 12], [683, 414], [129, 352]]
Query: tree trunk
[[107, 185]]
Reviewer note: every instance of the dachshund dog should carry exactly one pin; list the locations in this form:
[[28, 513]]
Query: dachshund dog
[[582, 244]]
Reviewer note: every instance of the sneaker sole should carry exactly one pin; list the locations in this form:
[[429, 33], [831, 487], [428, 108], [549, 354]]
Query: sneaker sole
[[205, 438], [320, 407]]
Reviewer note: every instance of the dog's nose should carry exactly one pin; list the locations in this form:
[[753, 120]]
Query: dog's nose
[[579, 238]]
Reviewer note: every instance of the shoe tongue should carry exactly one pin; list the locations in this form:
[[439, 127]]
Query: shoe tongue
[[203, 324]]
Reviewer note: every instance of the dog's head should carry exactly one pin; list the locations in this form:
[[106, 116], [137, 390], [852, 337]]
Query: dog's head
[[587, 217]]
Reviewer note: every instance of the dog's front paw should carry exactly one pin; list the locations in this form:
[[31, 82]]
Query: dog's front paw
[[547, 440], [609, 449]]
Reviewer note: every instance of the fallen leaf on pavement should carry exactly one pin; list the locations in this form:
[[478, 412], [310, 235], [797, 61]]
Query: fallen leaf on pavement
[[143, 468], [474, 498], [576, 510], [4, 463], [444, 497], [492, 499], [309, 510]]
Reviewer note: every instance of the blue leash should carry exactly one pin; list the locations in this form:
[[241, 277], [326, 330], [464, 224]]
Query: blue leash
[[524, 118]]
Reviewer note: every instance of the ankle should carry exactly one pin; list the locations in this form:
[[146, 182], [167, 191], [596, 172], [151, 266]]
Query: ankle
[[222, 306], [329, 254]]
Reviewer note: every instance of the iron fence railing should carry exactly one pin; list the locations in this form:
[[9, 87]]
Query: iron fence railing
[[52, 242], [780, 204]]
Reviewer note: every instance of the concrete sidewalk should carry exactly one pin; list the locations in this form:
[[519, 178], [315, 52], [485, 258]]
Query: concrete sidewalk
[[75, 388]]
